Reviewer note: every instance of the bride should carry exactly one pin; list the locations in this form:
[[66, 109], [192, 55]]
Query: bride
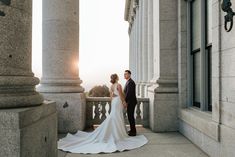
[[110, 136]]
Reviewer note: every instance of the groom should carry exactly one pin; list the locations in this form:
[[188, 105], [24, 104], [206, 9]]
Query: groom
[[131, 101]]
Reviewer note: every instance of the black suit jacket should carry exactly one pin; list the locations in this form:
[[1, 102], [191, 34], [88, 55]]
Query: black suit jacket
[[130, 93]]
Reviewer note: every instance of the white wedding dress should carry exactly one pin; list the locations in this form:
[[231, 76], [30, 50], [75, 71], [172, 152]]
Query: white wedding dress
[[110, 136]]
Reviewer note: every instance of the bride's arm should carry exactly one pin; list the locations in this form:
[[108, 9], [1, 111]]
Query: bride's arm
[[111, 93], [121, 94]]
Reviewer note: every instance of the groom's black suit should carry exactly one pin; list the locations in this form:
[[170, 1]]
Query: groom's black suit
[[130, 98]]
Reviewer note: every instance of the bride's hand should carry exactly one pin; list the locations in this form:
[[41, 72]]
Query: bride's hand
[[124, 104]]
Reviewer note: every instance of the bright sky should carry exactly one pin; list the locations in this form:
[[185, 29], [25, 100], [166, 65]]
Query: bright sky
[[103, 41]]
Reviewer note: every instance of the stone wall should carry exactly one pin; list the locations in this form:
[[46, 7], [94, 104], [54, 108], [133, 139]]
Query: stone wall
[[213, 132]]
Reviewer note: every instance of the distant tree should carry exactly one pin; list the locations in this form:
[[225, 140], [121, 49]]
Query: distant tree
[[99, 91]]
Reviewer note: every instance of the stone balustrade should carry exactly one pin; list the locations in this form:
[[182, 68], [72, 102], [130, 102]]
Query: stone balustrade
[[98, 108]]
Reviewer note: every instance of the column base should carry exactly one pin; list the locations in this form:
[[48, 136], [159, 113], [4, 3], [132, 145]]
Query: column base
[[19, 91], [71, 109], [30, 131], [163, 108]]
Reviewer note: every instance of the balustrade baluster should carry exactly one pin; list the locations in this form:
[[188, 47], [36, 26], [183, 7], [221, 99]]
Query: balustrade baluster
[[99, 108], [103, 111], [97, 113], [89, 114], [138, 112], [109, 106]]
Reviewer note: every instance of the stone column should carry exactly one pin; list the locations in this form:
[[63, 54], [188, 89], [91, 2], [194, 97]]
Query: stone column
[[156, 42], [163, 94], [24, 118], [144, 49], [150, 44], [137, 48], [139, 66], [131, 48], [17, 82], [133, 39], [60, 77]]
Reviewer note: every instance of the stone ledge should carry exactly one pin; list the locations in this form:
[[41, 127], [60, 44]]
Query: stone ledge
[[29, 132], [201, 121], [22, 117]]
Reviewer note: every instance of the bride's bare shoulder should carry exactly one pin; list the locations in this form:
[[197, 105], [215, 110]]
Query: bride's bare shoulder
[[119, 85]]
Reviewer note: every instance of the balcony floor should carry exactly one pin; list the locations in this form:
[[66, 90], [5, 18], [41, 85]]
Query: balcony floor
[[160, 145]]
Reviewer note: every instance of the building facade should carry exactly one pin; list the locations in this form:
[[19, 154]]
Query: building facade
[[183, 60]]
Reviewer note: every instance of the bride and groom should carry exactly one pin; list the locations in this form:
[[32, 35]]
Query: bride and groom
[[111, 135]]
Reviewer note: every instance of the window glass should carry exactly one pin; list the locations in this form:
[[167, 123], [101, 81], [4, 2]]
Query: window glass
[[196, 78], [209, 21], [196, 24]]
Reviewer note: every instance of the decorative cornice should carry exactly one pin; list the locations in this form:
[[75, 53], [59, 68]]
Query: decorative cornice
[[130, 10], [127, 8]]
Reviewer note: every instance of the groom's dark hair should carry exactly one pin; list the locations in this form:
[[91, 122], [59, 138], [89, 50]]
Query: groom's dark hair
[[128, 71]]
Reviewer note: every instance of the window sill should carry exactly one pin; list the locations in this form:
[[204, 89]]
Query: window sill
[[201, 121]]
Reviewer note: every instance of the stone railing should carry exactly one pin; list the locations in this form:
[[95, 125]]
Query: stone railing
[[98, 108]]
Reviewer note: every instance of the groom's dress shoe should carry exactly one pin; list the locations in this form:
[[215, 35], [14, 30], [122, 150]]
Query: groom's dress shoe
[[132, 133]]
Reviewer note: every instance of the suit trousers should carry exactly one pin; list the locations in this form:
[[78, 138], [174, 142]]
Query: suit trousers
[[131, 118]]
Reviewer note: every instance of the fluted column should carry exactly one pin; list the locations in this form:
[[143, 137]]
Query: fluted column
[[150, 40], [150, 45], [156, 42], [137, 50], [17, 82], [139, 56], [131, 48], [144, 47], [134, 48], [60, 72], [131, 38]]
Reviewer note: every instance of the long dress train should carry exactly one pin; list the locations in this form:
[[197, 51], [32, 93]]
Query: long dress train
[[110, 136]]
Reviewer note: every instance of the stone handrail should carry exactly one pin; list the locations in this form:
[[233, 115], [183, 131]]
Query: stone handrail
[[98, 108]]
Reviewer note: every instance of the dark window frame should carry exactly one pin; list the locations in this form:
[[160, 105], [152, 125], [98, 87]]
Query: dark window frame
[[209, 61], [208, 48]]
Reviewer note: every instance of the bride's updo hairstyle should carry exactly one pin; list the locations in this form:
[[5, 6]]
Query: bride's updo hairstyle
[[113, 78]]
